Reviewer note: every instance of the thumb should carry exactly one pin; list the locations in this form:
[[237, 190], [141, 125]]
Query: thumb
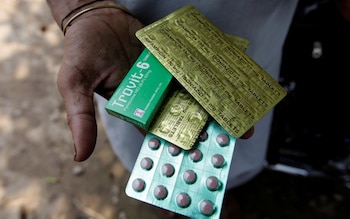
[[79, 105]]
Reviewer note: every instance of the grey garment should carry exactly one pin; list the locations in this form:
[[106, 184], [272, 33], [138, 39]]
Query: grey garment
[[264, 23], [125, 139]]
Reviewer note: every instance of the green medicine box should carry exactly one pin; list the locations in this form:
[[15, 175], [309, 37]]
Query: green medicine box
[[142, 91]]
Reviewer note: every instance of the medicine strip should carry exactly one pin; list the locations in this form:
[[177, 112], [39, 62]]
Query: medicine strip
[[180, 120], [227, 83], [188, 182]]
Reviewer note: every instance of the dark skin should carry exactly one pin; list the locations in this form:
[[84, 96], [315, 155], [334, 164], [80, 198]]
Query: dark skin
[[100, 47]]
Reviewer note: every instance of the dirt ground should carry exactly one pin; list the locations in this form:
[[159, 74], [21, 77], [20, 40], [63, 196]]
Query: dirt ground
[[38, 177], [40, 180]]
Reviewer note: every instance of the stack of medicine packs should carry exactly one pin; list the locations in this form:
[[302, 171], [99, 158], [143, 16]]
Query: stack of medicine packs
[[194, 90]]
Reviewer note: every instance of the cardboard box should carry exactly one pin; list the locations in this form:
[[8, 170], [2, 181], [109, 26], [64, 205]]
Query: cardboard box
[[142, 91]]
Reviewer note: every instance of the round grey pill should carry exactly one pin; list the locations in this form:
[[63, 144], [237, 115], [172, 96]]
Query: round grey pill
[[203, 136], [160, 192], [138, 185], [168, 169], [183, 200], [189, 176], [206, 207], [146, 163], [212, 183], [217, 160], [196, 155], [222, 139], [153, 143], [174, 150]]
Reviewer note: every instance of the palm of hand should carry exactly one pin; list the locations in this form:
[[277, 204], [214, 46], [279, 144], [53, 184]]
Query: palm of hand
[[99, 50]]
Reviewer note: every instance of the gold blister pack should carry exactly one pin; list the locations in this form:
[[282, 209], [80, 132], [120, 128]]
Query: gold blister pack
[[180, 120], [225, 81], [240, 42]]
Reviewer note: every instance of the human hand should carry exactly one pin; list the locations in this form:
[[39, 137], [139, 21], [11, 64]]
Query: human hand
[[100, 47]]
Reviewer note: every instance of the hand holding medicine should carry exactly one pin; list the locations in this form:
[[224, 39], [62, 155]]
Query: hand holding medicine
[[101, 47]]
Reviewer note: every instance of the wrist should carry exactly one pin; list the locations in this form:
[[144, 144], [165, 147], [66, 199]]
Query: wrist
[[81, 10], [62, 8]]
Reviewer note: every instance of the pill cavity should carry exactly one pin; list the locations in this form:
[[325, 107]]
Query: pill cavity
[[196, 155], [153, 143], [195, 117], [184, 95], [176, 109], [189, 176], [138, 185], [183, 200], [160, 192], [206, 207], [174, 150], [212, 183], [168, 169], [222, 139], [218, 160], [146, 163]]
